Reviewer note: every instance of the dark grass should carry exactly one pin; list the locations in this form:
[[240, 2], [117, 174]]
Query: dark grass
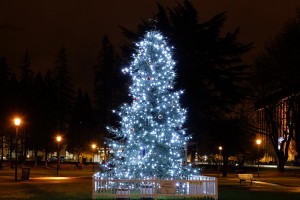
[[42, 185], [79, 186], [231, 193], [47, 191], [234, 193]]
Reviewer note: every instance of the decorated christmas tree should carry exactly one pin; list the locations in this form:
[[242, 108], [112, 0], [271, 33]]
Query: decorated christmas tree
[[151, 140]]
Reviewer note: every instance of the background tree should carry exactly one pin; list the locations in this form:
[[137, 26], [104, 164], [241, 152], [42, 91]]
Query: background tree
[[104, 72], [4, 102], [25, 101], [50, 106], [44, 103], [209, 64], [108, 86], [277, 75], [42, 124], [36, 117], [64, 89], [210, 68], [82, 132]]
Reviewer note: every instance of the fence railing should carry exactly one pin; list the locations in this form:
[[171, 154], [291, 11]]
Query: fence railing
[[194, 187]]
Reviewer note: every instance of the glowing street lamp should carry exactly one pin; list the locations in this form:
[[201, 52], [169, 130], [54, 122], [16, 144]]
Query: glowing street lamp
[[220, 152], [258, 142], [58, 139], [93, 147], [17, 122]]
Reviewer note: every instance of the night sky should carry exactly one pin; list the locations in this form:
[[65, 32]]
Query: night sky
[[43, 26]]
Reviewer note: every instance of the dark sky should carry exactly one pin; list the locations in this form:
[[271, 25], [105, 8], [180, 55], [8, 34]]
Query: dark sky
[[44, 26]]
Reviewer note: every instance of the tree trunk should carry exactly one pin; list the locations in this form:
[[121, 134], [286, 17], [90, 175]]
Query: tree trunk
[[46, 160], [2, 151], [79, 160], [10, 156], [36, 158], [225, 164], [281, 163]]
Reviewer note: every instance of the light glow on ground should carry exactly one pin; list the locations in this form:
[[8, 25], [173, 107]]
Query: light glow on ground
[[51, 178]]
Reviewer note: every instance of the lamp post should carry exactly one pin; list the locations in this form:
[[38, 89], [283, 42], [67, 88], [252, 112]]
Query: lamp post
[[17, 122], [58, 139], [258, 142], [219, 156], [93, 149]]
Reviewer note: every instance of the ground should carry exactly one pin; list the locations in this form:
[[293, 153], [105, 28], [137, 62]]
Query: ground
[[73, 183]]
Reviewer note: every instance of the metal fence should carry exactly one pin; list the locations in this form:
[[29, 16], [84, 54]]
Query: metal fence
[[193, 187]]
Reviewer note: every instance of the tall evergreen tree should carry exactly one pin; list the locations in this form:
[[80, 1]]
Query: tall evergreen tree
[[108, 86], [103, 80], [4, 87], [40, 117], [210, 68], [151, 140], [82, 125], [26, 84], [26, 75], [50, 107], [4, 102], [25, 105], [64, 90]]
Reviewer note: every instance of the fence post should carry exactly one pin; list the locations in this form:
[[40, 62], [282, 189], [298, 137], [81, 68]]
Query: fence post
[[155, 190], [93, 187], [216, 186]]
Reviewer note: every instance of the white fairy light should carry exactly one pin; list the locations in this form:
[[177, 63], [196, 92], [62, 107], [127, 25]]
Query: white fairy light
[[150, 140]]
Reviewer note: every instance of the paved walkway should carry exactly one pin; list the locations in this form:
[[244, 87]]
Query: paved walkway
[[286, 182]]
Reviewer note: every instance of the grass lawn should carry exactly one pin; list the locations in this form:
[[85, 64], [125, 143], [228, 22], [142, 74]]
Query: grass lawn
[[233, 193], [75, 184], [44, 184], [244, 193], [79, 189]]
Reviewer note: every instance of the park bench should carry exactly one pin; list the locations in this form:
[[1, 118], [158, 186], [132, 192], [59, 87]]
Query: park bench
[[246, 177]]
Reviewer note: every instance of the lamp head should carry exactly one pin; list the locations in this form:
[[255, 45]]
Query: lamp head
[[258, 141], [58, 138], [17, 121]]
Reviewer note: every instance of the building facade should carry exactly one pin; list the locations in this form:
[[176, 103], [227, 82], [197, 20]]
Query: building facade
[[277, 124]]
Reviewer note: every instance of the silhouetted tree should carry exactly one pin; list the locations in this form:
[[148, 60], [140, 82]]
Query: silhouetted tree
[[108, 85], [276, 77], [209, 64], [82, 132], [103, 80], [4, 101], [50, 107], [42, 124], [64, 89], [25, 100], [210, 68], [26, 75]]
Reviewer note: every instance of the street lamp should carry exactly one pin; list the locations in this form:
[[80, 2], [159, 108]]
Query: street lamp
[[58, 139], [93, 147], [17, 122], [258, 142], [219, 156]]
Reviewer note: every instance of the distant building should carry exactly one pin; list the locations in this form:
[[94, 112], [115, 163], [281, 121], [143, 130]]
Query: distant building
[[277, 118]]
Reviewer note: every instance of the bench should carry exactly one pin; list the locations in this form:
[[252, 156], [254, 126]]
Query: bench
[[246, 177]]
